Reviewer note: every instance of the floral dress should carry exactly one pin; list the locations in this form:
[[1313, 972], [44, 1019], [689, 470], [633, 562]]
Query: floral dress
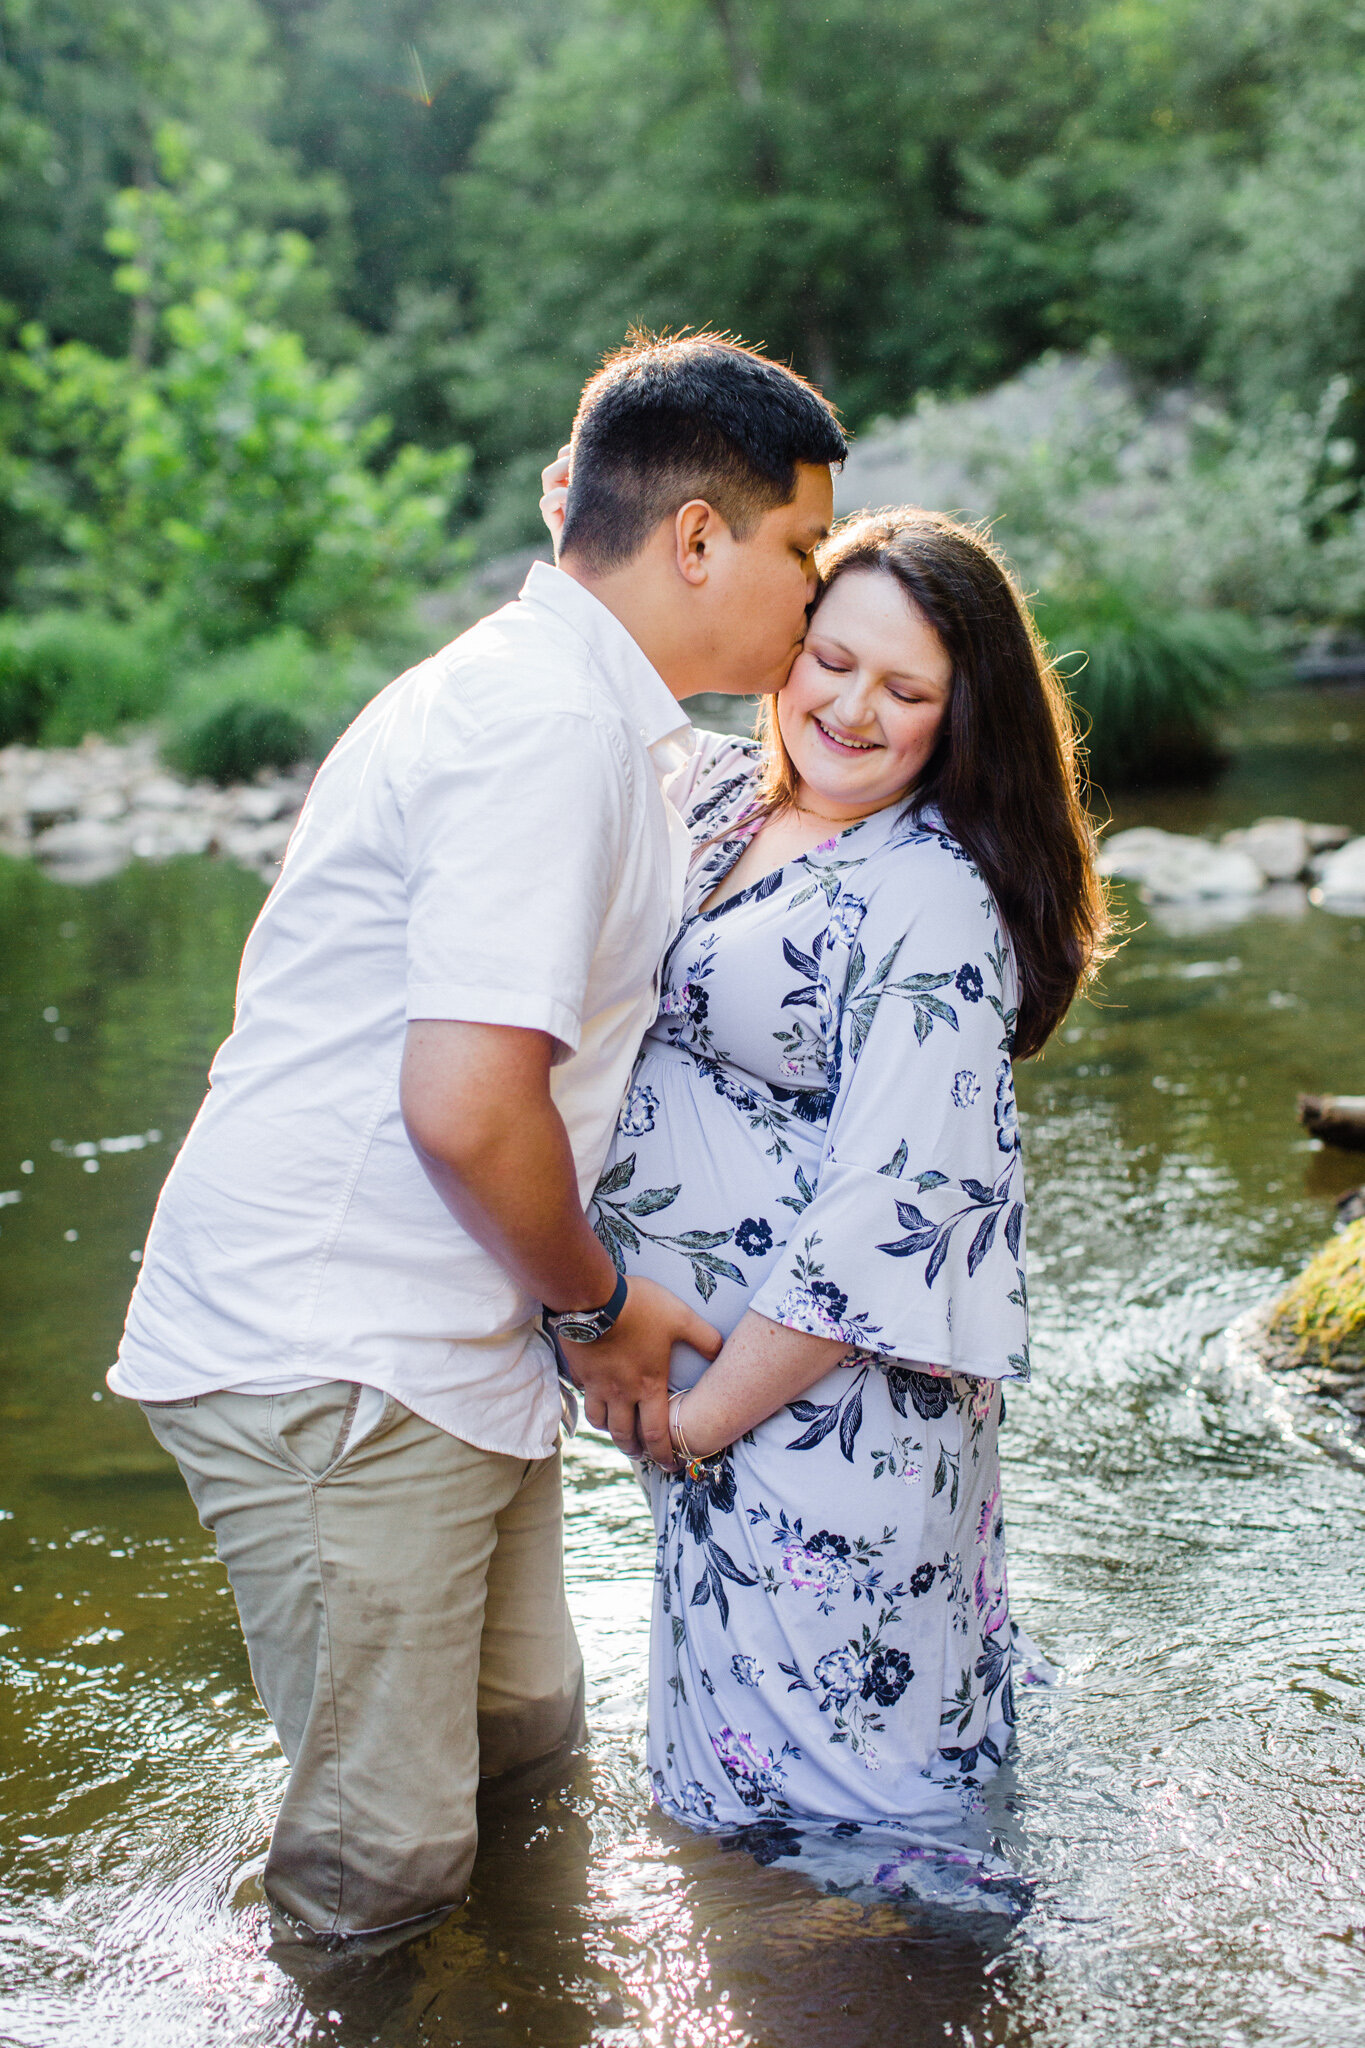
[[821, 1126]]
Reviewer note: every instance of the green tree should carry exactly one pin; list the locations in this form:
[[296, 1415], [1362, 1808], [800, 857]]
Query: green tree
[[227, 479], [806, 174], [85, 88]]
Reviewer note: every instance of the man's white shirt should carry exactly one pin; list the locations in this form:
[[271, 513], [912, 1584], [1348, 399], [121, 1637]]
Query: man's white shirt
[[488, 842]]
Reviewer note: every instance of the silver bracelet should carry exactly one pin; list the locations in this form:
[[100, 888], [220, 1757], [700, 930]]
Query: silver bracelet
[[675, 1429]]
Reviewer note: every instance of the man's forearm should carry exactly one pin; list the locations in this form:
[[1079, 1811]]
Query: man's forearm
[[482, 1122], [519, 1197], [480, 1116]]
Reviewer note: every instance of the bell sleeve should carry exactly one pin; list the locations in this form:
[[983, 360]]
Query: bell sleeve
[[910, 1245]]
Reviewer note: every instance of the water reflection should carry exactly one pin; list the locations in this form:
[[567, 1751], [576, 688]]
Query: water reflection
[[1189, 1802]]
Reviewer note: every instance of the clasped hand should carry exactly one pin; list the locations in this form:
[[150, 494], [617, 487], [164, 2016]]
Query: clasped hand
[[623, 1377]]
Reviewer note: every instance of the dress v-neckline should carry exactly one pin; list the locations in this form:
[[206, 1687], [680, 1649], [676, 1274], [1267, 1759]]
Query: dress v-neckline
[[773, 877]]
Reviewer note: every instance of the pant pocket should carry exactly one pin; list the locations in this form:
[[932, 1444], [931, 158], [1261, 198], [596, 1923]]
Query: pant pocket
[[309, 1427]]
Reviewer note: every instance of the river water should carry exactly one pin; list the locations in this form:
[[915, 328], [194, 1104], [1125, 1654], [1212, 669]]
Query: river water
[[1186, 1541]]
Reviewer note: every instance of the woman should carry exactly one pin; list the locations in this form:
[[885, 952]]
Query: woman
[[892, 896]]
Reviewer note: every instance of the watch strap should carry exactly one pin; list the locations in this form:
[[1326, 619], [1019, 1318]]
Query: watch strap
[[586, 1325]]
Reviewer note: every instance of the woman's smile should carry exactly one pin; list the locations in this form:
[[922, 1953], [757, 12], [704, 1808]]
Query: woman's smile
[[845, 742]]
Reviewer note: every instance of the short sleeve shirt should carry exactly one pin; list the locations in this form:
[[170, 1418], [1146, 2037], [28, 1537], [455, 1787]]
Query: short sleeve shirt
[[488, 842]]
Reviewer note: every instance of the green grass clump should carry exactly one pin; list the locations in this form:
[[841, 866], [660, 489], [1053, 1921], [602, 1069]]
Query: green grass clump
[[1320, 1318], [1150, 684], [277, 701], [66, 673]]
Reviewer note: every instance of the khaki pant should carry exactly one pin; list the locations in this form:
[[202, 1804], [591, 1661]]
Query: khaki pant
[[403, 1607]]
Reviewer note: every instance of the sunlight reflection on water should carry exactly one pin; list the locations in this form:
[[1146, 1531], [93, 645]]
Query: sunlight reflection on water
[[1189, 1800]]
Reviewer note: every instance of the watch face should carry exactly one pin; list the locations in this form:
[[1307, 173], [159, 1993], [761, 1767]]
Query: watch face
[[582, 1329]]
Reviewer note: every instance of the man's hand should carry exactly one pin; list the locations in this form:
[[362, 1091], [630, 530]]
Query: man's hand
[[477, 1105], [624, 1375]]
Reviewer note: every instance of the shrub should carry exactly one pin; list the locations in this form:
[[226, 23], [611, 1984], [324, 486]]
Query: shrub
[[269, 705], [1149, 683], [237, 742], [64, 674]]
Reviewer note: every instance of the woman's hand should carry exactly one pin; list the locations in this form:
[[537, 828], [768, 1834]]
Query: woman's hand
[[554, 495], [763, 1366]]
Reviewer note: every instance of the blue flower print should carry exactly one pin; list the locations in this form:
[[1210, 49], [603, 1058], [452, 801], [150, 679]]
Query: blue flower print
[[637, 1112], [757, 1774], [839, 1674], [693, 1799], [765, 1840], [930, 1392], [754, 1237], [888, 1673], [1006, 1115], [834, 1299], [830, 1604]]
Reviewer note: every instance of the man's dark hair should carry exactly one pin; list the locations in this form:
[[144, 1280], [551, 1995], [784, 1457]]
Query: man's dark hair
[[669, 418]]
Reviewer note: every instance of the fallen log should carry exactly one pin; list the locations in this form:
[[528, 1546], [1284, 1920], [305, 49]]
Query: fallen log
[[1336, 1119]]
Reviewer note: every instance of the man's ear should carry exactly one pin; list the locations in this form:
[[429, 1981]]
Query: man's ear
[[696, 528]]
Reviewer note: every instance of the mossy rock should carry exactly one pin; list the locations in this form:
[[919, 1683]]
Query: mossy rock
[[1319, 1321]]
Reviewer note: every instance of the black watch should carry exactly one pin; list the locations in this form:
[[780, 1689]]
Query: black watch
[[586, 1325]]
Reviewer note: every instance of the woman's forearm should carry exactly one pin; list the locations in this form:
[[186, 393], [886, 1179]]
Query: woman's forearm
[[763, 1366]]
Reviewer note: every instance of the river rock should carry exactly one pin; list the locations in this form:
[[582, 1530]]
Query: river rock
[[160, 793], [50, 798], [1341, 877], [85, 811], [168, 836], [1280, 847], [1175, 867], [82, 849], [262, 803], [258, 846], [1326, 838]]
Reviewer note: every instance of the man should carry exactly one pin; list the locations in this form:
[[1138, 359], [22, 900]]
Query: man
[[335, 1328]]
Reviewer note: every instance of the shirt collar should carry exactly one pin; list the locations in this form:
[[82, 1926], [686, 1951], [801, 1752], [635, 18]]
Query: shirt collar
[[634, 681]]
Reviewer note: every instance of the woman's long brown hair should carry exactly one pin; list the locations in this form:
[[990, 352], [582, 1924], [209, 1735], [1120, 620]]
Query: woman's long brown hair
[[1007, 776]]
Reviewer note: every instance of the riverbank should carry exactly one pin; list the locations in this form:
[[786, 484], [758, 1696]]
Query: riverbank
[[85, 812]]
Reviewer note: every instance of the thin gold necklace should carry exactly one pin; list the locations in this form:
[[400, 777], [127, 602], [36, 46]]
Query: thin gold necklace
[[826, 819]]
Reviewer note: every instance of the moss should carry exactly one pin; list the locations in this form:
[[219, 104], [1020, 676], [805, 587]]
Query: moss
[[1320, 1318]]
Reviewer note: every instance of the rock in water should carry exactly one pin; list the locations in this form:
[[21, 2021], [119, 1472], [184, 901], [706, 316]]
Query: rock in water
[[1341, 877], [1280, 847], [1173, 867], [83, 849], [1318, 1323], [1336, 1119]]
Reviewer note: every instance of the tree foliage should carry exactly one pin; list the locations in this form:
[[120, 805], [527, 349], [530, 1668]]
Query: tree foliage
[[902, 195], [226, 477]]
